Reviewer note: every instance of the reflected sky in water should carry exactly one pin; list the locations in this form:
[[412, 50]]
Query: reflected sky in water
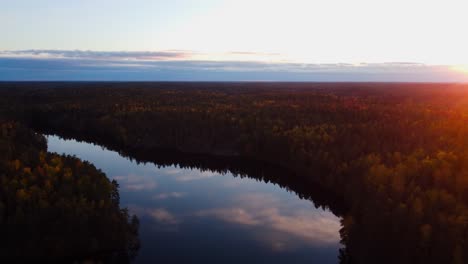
[[201, 216]]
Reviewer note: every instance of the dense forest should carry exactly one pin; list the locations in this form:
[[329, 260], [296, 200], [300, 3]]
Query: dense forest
[[394, 156], [58, 208]]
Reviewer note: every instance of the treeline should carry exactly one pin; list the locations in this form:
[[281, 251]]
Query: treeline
[[395, 153], [58, 208]]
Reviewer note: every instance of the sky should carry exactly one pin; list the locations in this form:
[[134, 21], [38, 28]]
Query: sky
[[242, 40]]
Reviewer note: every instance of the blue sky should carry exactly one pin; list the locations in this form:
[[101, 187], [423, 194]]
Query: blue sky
[[334, 40]]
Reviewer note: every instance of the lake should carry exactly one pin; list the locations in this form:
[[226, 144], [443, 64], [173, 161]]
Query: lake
[[190, 215]]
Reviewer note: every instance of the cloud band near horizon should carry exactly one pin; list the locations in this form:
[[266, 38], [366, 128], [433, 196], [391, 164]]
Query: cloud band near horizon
[[77, 65]]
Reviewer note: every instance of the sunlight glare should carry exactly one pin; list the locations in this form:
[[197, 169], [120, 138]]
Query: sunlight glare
[[461, 68]]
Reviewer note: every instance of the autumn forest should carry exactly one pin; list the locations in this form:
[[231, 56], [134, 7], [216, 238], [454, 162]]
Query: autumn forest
[[391, 160]]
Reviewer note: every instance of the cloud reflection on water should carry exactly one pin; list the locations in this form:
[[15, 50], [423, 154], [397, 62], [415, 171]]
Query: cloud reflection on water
[[178, 203], [263, 211], [133, 182], [185, 175], [163, 196], [160, 215]]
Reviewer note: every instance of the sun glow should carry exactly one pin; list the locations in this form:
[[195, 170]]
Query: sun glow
[[461, 68], [334, 31]]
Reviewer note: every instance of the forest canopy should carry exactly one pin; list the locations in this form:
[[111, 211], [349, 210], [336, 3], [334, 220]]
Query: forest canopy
[[58, 208], [395, 154]]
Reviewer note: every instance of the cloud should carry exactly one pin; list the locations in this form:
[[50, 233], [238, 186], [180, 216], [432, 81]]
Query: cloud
[[263, 211], [233, 215], [163, 216], [76, 65], [96, 55], [171, 170], [160, 215], [185, 175], [194, 175], [134, 182], [164, 196]]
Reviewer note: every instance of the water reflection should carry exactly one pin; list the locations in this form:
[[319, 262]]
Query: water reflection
[[188, 215], [287, 223]]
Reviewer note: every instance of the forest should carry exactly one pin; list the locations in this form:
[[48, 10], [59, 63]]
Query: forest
[[58, 208], [392, 157]]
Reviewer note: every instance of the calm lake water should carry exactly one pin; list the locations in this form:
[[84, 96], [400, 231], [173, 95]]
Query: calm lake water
[[193, 216]]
